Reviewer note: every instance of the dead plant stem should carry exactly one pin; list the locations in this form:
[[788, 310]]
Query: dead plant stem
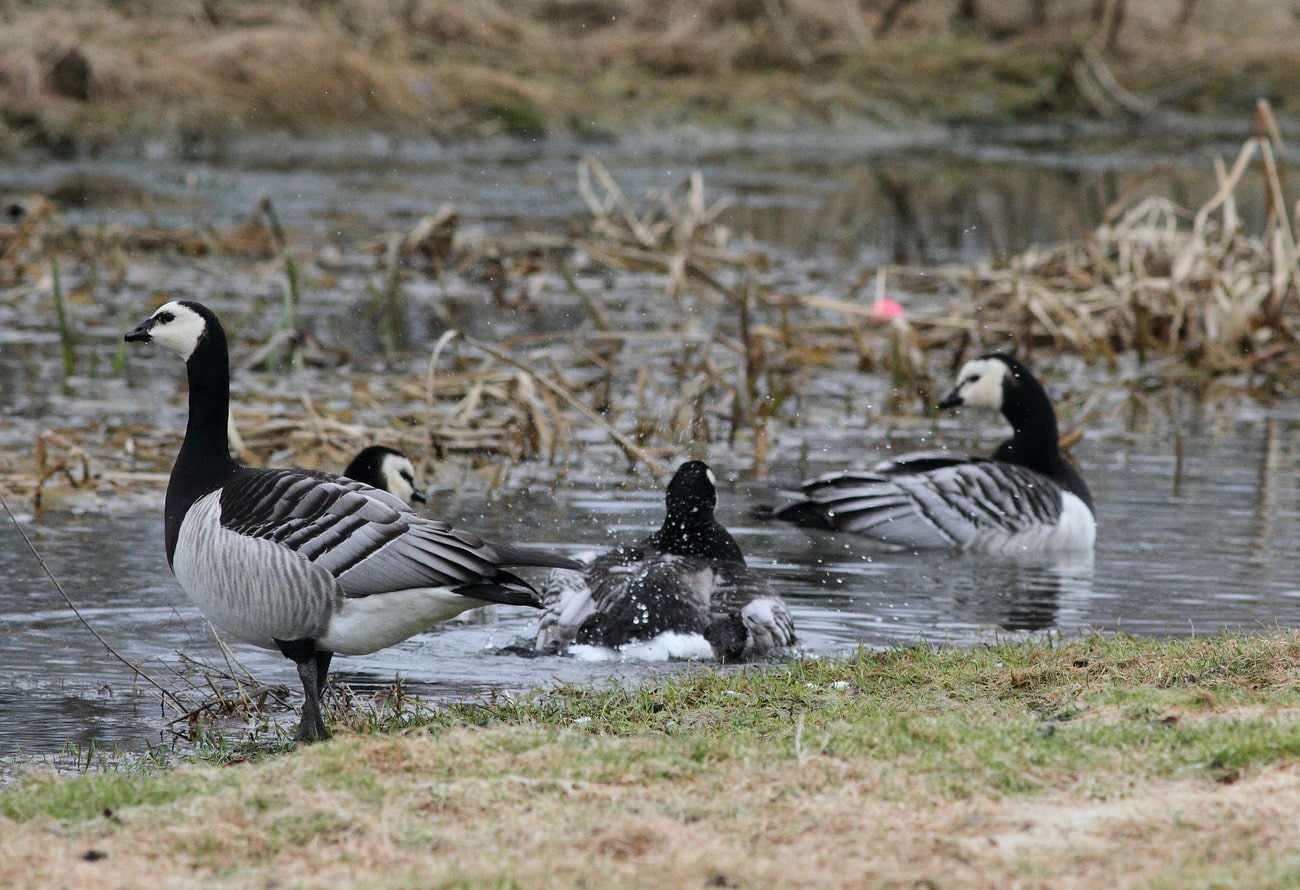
[[134, 668], [633, 451]]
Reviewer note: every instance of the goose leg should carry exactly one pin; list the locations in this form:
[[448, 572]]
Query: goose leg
[[322, 670], [312, 726], [313, 667]]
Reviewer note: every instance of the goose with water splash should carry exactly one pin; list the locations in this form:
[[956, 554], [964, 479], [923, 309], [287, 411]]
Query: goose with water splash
[[683, 591]]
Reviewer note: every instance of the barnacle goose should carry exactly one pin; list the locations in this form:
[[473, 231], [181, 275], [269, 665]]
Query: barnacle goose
[[388, 469], [689, 577], [307, 563], [1027, 498]]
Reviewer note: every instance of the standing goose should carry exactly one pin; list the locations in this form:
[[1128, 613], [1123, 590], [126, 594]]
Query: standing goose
[[307, 563], [1027, 498], [388, 470], [689, 577]]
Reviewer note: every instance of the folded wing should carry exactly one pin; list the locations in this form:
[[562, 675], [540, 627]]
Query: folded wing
[[949, 505], [369, 540]]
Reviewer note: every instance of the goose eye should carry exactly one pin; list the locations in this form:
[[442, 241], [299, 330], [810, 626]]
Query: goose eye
[[164, 317], [409, 477]]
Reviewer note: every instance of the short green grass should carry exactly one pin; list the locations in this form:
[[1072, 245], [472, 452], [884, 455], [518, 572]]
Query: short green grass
[[720, 775]]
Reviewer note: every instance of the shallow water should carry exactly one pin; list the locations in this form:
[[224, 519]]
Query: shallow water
[[913, 198], [1206, 552], [1186, 547]]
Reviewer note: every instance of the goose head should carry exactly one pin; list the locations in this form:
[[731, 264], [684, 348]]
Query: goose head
[[388, 469], [689, 528], [692, 493], [180, 326], [983, 382]]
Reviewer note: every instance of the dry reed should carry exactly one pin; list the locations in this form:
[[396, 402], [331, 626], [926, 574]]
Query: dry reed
[[700, 350]]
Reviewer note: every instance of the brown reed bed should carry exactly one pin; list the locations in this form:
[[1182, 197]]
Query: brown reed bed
[[691, 348], [83, 77], [1157, 280]]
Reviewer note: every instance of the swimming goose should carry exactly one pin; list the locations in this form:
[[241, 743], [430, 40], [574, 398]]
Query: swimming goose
[[388, 470], [307, 563], [1027, 498], [689, 577]]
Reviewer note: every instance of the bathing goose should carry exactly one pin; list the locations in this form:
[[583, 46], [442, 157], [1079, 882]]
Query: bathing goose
[[386, 469], [1027, 498], [689, 577], [307, 563]]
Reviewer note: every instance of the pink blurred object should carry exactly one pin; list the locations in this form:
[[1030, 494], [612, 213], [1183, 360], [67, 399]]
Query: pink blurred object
[[886, 310]]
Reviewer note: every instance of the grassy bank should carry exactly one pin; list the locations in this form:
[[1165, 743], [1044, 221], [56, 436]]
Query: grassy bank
[[94, 75], [1134, 763]]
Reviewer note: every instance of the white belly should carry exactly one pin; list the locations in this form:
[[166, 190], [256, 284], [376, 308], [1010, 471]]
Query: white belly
[[1076, 530], [369, 623], [257, 591]]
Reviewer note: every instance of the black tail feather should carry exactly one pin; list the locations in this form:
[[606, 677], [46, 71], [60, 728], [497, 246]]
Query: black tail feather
[[505, 589], [509, 555], [806, 513]]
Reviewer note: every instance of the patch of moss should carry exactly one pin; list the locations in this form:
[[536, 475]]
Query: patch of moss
[[515, 116]]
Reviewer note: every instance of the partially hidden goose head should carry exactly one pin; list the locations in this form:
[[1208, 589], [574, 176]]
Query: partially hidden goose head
[[301, 562], [689, 528], [693, 490], [387, 469]]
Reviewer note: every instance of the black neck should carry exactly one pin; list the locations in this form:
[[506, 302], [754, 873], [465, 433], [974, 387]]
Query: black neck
[[696, 534], [1036, 442], [1028, 409], [204, 462]]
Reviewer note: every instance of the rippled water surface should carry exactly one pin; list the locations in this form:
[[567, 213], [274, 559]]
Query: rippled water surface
[[1197, 502], [1198, 552]]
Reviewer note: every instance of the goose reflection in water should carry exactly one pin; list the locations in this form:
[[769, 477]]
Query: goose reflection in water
[[852, 592]]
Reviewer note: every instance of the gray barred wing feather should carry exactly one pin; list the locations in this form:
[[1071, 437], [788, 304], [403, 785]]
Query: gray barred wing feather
[[367, 539], [922, 461], [740, 590], [948, 506], [735, 586]]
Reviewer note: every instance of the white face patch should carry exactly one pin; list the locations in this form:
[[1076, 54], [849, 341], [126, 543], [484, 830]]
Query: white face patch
[[980, 382], [177, 328], [398, 474], [713, 480]]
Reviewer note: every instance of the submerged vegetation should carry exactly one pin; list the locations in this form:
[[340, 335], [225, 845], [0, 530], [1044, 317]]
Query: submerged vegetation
[[1099, 760], [647, 331]]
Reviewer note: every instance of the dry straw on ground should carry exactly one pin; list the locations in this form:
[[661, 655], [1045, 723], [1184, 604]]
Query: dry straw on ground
[[98, 73]]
